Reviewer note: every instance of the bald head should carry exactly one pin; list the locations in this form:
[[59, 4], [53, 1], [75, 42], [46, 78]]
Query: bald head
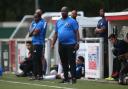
[[39, 12], [64, 12], [64, 9]]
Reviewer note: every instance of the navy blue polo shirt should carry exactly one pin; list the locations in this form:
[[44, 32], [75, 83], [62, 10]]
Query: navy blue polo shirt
[[103, 23]]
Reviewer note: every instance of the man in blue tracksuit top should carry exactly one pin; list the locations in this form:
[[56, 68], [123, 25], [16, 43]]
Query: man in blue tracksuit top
[[38, 31], [68, 36]]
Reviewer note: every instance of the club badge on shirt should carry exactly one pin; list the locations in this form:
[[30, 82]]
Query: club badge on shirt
[[67, 25]]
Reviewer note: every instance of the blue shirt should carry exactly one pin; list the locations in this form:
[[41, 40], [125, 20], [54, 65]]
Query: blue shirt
[[39, 39], [66, 30], [79, 70], [102, 23]]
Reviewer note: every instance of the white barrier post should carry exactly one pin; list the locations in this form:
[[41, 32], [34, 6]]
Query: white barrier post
[[47, 56]]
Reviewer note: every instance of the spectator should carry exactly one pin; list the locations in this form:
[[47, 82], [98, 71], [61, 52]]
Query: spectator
[[124, 63], [67, 34], [116, 62], [120, 66], [37, 32], [102, 31], [74, 14], [80, 68], [26, 65]]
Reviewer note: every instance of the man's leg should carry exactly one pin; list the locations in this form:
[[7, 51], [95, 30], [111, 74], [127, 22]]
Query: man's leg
[[72, 62], [35, 61], [105, 58], [123, 71], [39, 61], [64, 61]]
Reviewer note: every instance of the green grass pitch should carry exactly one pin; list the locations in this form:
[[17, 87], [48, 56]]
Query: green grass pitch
[[10, 81]]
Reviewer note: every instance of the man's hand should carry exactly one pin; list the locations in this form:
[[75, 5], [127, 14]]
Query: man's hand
[[97, 30], [30, 33], [51, 44], [53, 41]]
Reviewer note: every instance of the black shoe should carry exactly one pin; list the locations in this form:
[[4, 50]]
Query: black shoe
[[40, 78], [33, 78], [65, 81], [24, 75], [21, 75]]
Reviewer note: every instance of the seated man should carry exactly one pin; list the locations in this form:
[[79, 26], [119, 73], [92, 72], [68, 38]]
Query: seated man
[[120, 48], [26, 65], [80, 68]]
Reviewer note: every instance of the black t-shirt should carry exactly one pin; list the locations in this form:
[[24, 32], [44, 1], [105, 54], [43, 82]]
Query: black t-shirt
[[120, 47]]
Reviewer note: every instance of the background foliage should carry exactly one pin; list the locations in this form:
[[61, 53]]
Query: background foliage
[[14, 10]]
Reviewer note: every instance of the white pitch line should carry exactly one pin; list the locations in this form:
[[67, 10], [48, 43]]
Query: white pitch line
[[14, 82]]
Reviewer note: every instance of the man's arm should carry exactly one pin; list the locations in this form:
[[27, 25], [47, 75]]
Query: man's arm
[[123, 56], [76, 27], [102, 27], [100, 30], [54, 40], [77, 39], [30, 30], [77, 35], [35, 32]]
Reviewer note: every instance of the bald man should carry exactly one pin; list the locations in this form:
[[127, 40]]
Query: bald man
[[39, 12], [38, 32], [67, 33], [74, 14]]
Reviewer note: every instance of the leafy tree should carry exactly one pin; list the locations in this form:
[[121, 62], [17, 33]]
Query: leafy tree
[[11, 10]]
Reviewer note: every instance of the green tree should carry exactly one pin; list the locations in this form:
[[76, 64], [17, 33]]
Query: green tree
[[14, 10]]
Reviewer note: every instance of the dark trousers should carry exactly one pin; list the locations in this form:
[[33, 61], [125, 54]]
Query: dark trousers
[[123, 70], [37, 60], [26, 67], [68, 55], [105, 45], [116, 65]]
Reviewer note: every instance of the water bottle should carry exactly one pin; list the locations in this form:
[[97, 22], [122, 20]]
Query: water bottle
[[83, 71]]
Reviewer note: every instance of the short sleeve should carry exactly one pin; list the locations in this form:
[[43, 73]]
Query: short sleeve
[[45, 25], [104, 24]]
